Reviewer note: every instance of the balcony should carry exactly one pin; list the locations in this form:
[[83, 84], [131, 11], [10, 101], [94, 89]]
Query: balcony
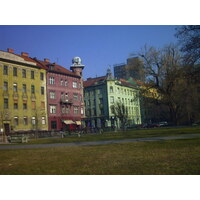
[[66, 101], [15, 95], [24, 96], [33, 97], [5, 94]]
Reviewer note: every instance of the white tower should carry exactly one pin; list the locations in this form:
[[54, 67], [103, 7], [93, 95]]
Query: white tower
[[77, 66]]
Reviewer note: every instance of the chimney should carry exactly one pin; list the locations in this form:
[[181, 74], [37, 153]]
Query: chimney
[[10, 50], [46, 60], [24, 54]]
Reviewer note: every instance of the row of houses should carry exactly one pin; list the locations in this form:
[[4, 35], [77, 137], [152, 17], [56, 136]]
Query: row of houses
[[41, 95]]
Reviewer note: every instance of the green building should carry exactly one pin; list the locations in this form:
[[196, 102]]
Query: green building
[[101, 93]]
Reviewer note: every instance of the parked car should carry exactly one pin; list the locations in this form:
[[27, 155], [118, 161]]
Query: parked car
[[148, 125], [196, 123], [163, 123]]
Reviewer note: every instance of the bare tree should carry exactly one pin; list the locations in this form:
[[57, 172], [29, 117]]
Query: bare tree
[[189, 38], [120, 111], [163, 70]]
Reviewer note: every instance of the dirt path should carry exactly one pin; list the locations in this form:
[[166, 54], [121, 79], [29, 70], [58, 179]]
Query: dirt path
[[149, 139]]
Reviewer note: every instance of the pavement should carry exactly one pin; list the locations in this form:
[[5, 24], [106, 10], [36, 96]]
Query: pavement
[[149, 139]]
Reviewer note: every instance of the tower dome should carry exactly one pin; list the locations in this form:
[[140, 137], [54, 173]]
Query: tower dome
[[76, 61]]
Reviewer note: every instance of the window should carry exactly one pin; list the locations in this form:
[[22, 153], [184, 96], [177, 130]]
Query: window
[[101, 111], [75, 110], [23, 73], [136, 111], [111, 89], [6, 103], [33, 120], [61, 82], [66, 83], [101, 100], [125, 91], [67, 110], [118, 90], [5, 70], [53, 125], [63, 109], [43, 121], [52, 80], [14, 71], [74, 84], [5, 86], [66, 96], [92, 93], [24, 106], [51, 67], [16, 121], [32, 75], [32, 89], [15, 105], [111, 99], [41, 76], [62, 96], [33, 105], [82, 111], [42, 90], [52, 95], [42, 105], [75, 97], [52, 109], [15, 87], [25, 121], [99, 91], [24, 88]]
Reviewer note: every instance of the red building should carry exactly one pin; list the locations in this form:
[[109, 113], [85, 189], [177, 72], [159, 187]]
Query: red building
[[64, 94]]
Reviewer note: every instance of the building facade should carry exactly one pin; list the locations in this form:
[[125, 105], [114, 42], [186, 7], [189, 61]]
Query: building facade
[[101, 93], [64, 95], [133, 68], [23, 102]]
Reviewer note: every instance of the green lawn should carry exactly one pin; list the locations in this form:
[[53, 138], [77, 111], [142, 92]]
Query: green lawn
[[165, 157], [137, 133]]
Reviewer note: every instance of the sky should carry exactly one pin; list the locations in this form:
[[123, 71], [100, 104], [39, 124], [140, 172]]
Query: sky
[[98, 46]]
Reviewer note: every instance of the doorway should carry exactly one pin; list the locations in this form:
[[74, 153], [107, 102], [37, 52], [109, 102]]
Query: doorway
[[7, 129]]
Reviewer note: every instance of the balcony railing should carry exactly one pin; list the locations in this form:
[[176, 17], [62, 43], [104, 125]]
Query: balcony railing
[[15, 95], [66, 101]]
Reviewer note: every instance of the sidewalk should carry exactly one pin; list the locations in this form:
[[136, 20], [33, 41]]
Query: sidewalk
[[150, 139]]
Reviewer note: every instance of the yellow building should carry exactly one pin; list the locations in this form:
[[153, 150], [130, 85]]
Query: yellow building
[[22, 93]]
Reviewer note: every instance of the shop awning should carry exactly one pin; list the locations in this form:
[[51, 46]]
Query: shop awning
[[68, 122], [78, 122]]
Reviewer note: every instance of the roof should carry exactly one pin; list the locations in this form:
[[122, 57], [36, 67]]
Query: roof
[[43, 64], [57, 68], [126, 83], [90, 81], [19, 58]]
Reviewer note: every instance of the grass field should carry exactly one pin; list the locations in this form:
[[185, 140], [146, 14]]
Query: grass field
[[137, 133], [165, 157]]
